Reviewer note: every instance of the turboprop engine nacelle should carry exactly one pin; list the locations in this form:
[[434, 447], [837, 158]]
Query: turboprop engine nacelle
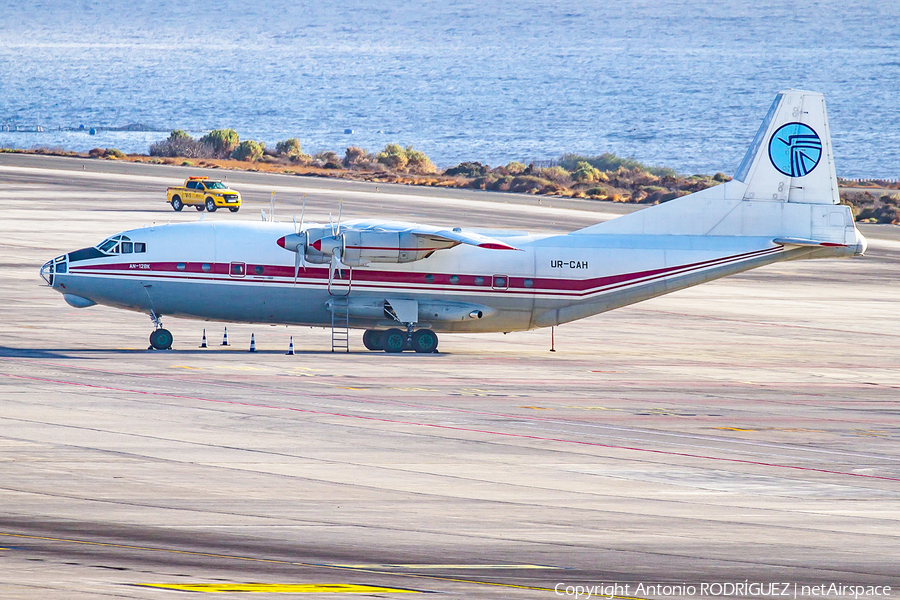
[[359, 248]]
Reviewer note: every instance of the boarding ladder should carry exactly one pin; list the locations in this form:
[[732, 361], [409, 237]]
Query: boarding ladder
[[340, 323], [339, 289]]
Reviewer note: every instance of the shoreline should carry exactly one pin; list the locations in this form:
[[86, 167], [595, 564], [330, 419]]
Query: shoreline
[[872, 200]]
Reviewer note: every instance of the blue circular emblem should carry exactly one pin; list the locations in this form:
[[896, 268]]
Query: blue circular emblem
[[795, 149]]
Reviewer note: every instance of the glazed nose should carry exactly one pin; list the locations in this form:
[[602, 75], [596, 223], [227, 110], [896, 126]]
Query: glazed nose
[[52, 268]]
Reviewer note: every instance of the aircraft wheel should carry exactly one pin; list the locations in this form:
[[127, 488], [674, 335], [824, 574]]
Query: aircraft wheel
[[372, 340], [424, 341], [210, 205], [177, 204], [161, 339], [234, 208], [200, 207], [393, 340]]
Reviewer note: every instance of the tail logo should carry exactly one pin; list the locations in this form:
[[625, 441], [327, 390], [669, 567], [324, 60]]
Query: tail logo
[[795, 149]]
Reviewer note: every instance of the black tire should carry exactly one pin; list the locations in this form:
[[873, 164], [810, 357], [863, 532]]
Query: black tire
[[161, 339], [177, 204], [424, 341], [372, 340], [210, 205], [393, 340], [200, 207], [234, 208]]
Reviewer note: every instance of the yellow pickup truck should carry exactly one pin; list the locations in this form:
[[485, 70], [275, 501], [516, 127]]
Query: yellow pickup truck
[[203, 193]]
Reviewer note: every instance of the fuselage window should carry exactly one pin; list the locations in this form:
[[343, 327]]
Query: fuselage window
[[126, 247], [528, 283], [429, 278], [181, 266], [259, 270], [479, 281], [454, 279], [206, 267], [237, 269], [140, 247]]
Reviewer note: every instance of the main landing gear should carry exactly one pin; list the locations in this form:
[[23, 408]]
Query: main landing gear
[[424, 341], [160, 338]]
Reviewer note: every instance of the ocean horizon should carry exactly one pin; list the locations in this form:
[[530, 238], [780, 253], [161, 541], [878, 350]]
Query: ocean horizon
[[676, 84]]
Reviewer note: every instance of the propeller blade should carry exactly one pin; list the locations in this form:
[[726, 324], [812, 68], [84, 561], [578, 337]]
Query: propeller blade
[[336, 264], [297, 260], [302, 211], [301, 250], [340, 210], [331, 220]]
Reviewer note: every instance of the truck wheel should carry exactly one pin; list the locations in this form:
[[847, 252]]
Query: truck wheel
[[210, 205], [177, 204], [200, 207]]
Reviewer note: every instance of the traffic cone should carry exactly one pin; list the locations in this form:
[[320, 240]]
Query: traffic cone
[[252, 343], [290, 351], [225, 338], [203, 342]]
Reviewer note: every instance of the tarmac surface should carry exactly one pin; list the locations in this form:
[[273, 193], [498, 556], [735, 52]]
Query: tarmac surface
[[742, 431]]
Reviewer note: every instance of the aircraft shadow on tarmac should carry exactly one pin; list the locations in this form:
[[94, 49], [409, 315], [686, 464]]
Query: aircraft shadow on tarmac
[[7, 352]]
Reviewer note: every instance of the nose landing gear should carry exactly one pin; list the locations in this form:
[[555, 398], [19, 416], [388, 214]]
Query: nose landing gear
[[160, 338]]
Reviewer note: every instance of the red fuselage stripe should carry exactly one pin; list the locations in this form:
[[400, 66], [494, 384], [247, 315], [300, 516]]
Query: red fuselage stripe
[[441, 282]]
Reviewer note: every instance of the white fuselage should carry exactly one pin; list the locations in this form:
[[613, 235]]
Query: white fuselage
[[237, 272]]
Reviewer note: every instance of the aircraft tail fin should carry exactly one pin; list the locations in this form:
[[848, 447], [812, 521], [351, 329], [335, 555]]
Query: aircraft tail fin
[[784, 188], [790, 158]]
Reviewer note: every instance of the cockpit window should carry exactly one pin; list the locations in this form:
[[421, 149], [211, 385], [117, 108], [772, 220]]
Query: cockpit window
[[112, 245]]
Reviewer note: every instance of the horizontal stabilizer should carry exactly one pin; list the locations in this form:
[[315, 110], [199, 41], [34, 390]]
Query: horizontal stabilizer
[[801, 242]]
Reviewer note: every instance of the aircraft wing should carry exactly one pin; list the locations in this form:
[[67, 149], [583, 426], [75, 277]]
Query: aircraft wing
[[455, 235]]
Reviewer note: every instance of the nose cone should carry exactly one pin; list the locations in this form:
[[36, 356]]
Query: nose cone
[[47, 272], [280, 241], [861, 244]]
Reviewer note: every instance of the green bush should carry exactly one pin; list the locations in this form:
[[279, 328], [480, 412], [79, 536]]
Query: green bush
[[610, 162], [468, 169], [221, 142], [418, 162], [555, 174], [107, 153], [248, 150], [289, 148], [393, 156], [584, 171], [180, 134], [515, 168]]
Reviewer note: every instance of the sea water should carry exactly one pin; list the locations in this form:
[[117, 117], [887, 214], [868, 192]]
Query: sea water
[[679, 83]]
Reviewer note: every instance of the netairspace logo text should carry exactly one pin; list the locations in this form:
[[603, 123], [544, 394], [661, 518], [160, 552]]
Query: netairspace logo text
[[740, 588]]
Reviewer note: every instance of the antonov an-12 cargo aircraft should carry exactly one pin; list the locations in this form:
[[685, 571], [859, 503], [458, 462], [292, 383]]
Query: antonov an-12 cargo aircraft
[[402, 282]]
